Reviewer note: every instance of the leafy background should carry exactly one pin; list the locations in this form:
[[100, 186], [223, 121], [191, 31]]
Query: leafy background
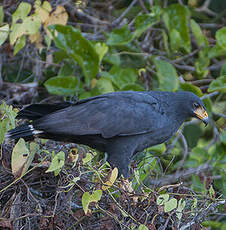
[[65, 50]]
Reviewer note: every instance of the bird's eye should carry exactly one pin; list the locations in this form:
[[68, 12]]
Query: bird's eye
[[195, 105]]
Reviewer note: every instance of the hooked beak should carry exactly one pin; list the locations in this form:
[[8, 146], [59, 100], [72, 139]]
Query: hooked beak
[[201, 114]]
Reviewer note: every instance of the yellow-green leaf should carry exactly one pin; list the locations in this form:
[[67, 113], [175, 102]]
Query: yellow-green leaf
[[112, 179], [87, 198], [57, 163], [199, 36], [142, 227], [20, 43], [221, 37], [4, 31], [162, 199], [218, 85], [20, 156], [170, 205], [1, 14]]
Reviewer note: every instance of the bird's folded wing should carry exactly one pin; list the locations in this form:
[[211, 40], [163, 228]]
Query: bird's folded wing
[[109, 115]]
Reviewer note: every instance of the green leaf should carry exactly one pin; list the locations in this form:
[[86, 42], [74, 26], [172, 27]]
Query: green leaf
[[88, 158], [57, 163], [62, 85], [22, 24], [9, 114], [4, 31], [198, 185], [4, 124], [216, 51], [199, 154], [167, 75], [214, 225], [105, 85], [218, 85], [59, 56], [101, 49], [223, 69], [85, 201], [212, 192], [223, 137], [20, 43], [1, 14], [181, 205], [122, 76], [221, 38], [176, 18], [165, 42], [158, 148], [120, 36], [145, 21], [199, 36], [66, 70], [87, 198], [70, 40], [180, 208], [170, 205], [192, 134], [21, 12], [192, 88], [132, 86], [202, 63], [142, 227], [162, 199], [112, 58]]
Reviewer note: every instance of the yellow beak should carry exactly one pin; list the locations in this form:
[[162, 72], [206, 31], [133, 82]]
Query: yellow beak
[[202, 115]]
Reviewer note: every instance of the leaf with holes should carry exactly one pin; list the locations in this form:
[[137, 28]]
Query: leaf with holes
[[112, 179], [20, 157], [87, 198]]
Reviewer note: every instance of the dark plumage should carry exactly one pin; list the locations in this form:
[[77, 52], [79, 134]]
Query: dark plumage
[[119, 123]]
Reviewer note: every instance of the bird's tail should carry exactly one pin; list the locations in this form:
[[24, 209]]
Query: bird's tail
[[33, 112], [25, 131], [36, 111]]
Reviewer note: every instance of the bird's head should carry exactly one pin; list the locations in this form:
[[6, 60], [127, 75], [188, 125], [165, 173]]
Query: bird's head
[[193, 106]]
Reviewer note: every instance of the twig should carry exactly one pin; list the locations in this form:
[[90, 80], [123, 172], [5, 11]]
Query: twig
[[204, 8], [143, 6], [80, 13], [187, 56], [204, 212], [118, 20], [1, 81], [216, 66], [210, 25], [220, 115], [184, 67], [209, 95], [200, 82], [185, 154], [182, 174]]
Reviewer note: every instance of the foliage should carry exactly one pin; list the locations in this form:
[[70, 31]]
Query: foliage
[[75, 48]]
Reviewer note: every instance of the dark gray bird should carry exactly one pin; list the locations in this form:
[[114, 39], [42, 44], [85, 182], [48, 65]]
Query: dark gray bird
[[119, 123]]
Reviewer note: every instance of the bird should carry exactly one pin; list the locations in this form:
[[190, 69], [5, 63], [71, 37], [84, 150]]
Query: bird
[[121, 124]]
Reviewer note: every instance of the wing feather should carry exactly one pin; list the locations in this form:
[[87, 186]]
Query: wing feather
[[121, 114]]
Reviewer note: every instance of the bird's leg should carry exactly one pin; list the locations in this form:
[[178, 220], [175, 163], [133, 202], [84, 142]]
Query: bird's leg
[[119, 156], [121, 161]]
